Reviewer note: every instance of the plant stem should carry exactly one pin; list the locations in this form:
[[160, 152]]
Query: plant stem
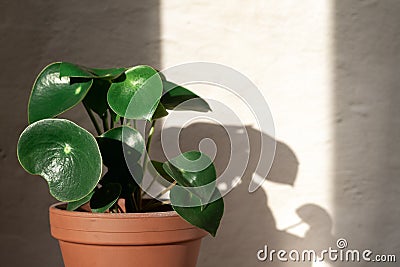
[[151, 132], [130, 203], [132, 199], [92, 118], [105, 123], [148, 143], [151, 205], [118, 208], [166, 190], [111, 121]]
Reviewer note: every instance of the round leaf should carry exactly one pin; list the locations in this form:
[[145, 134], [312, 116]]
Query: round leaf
[[76, 204], [121, 145], [52, 95], [160, 112], [163, 177], [127, 178], [175, 96], [112, 73], [136, 94], [195, 171], [96, 98], [64, 154], [105, 197], [192, 168], [72, 70], [188, 206]]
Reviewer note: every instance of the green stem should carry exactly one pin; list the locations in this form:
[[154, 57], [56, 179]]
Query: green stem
[[151, 205], [133, 200], [111, 121], [148, 144], [92, 118], [105, 122], [166, 190], [130, 204]]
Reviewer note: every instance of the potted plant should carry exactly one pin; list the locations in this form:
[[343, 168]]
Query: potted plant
[[106, 219]]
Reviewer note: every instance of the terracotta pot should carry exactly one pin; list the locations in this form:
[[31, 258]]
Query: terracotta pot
[[125, 239]]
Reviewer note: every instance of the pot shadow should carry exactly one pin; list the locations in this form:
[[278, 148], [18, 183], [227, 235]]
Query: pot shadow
[[248, 223]]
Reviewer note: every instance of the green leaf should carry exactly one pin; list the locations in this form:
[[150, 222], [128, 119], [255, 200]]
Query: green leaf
[[114, 116], [112, 73], [160, 112], [136, 94], [72, 70], [105, 197], [175, 96], [52, 95], [64, 154], [96, 98], [121, 145], [158, 166], [195, 171], [127, 178], [188, 206], [121, 148], [76, 204]]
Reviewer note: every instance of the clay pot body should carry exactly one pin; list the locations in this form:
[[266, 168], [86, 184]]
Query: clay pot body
[[125, 239]]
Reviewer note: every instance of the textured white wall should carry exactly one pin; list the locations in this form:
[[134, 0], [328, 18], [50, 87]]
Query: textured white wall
[[328, 72], [367, 163], [285, 48], [35, 33]]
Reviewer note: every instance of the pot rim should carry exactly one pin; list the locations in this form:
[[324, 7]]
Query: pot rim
[[121, 228], [55, 208]]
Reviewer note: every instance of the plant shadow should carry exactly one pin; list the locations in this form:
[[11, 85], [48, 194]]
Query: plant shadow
[[248, 223]]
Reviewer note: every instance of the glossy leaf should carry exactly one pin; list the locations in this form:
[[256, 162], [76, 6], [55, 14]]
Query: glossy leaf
[[64, 154], [188, 206], [160, 112], [136, 94], [76, 204], [52, 95], [72, 70], [128, 178], [121, 145], [115, 117], [175, 96], [96, 98], [105, 197], [194, 170], [112, 73], [163, 175]]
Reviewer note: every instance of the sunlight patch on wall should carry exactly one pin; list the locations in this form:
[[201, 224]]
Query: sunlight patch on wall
[[285, 48]]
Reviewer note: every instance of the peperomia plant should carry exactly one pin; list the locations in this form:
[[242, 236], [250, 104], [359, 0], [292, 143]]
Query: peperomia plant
[[71, 159]]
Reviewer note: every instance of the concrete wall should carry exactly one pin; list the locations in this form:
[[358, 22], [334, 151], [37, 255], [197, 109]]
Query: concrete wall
[[367, 147], [327, 69], [35, 33]]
